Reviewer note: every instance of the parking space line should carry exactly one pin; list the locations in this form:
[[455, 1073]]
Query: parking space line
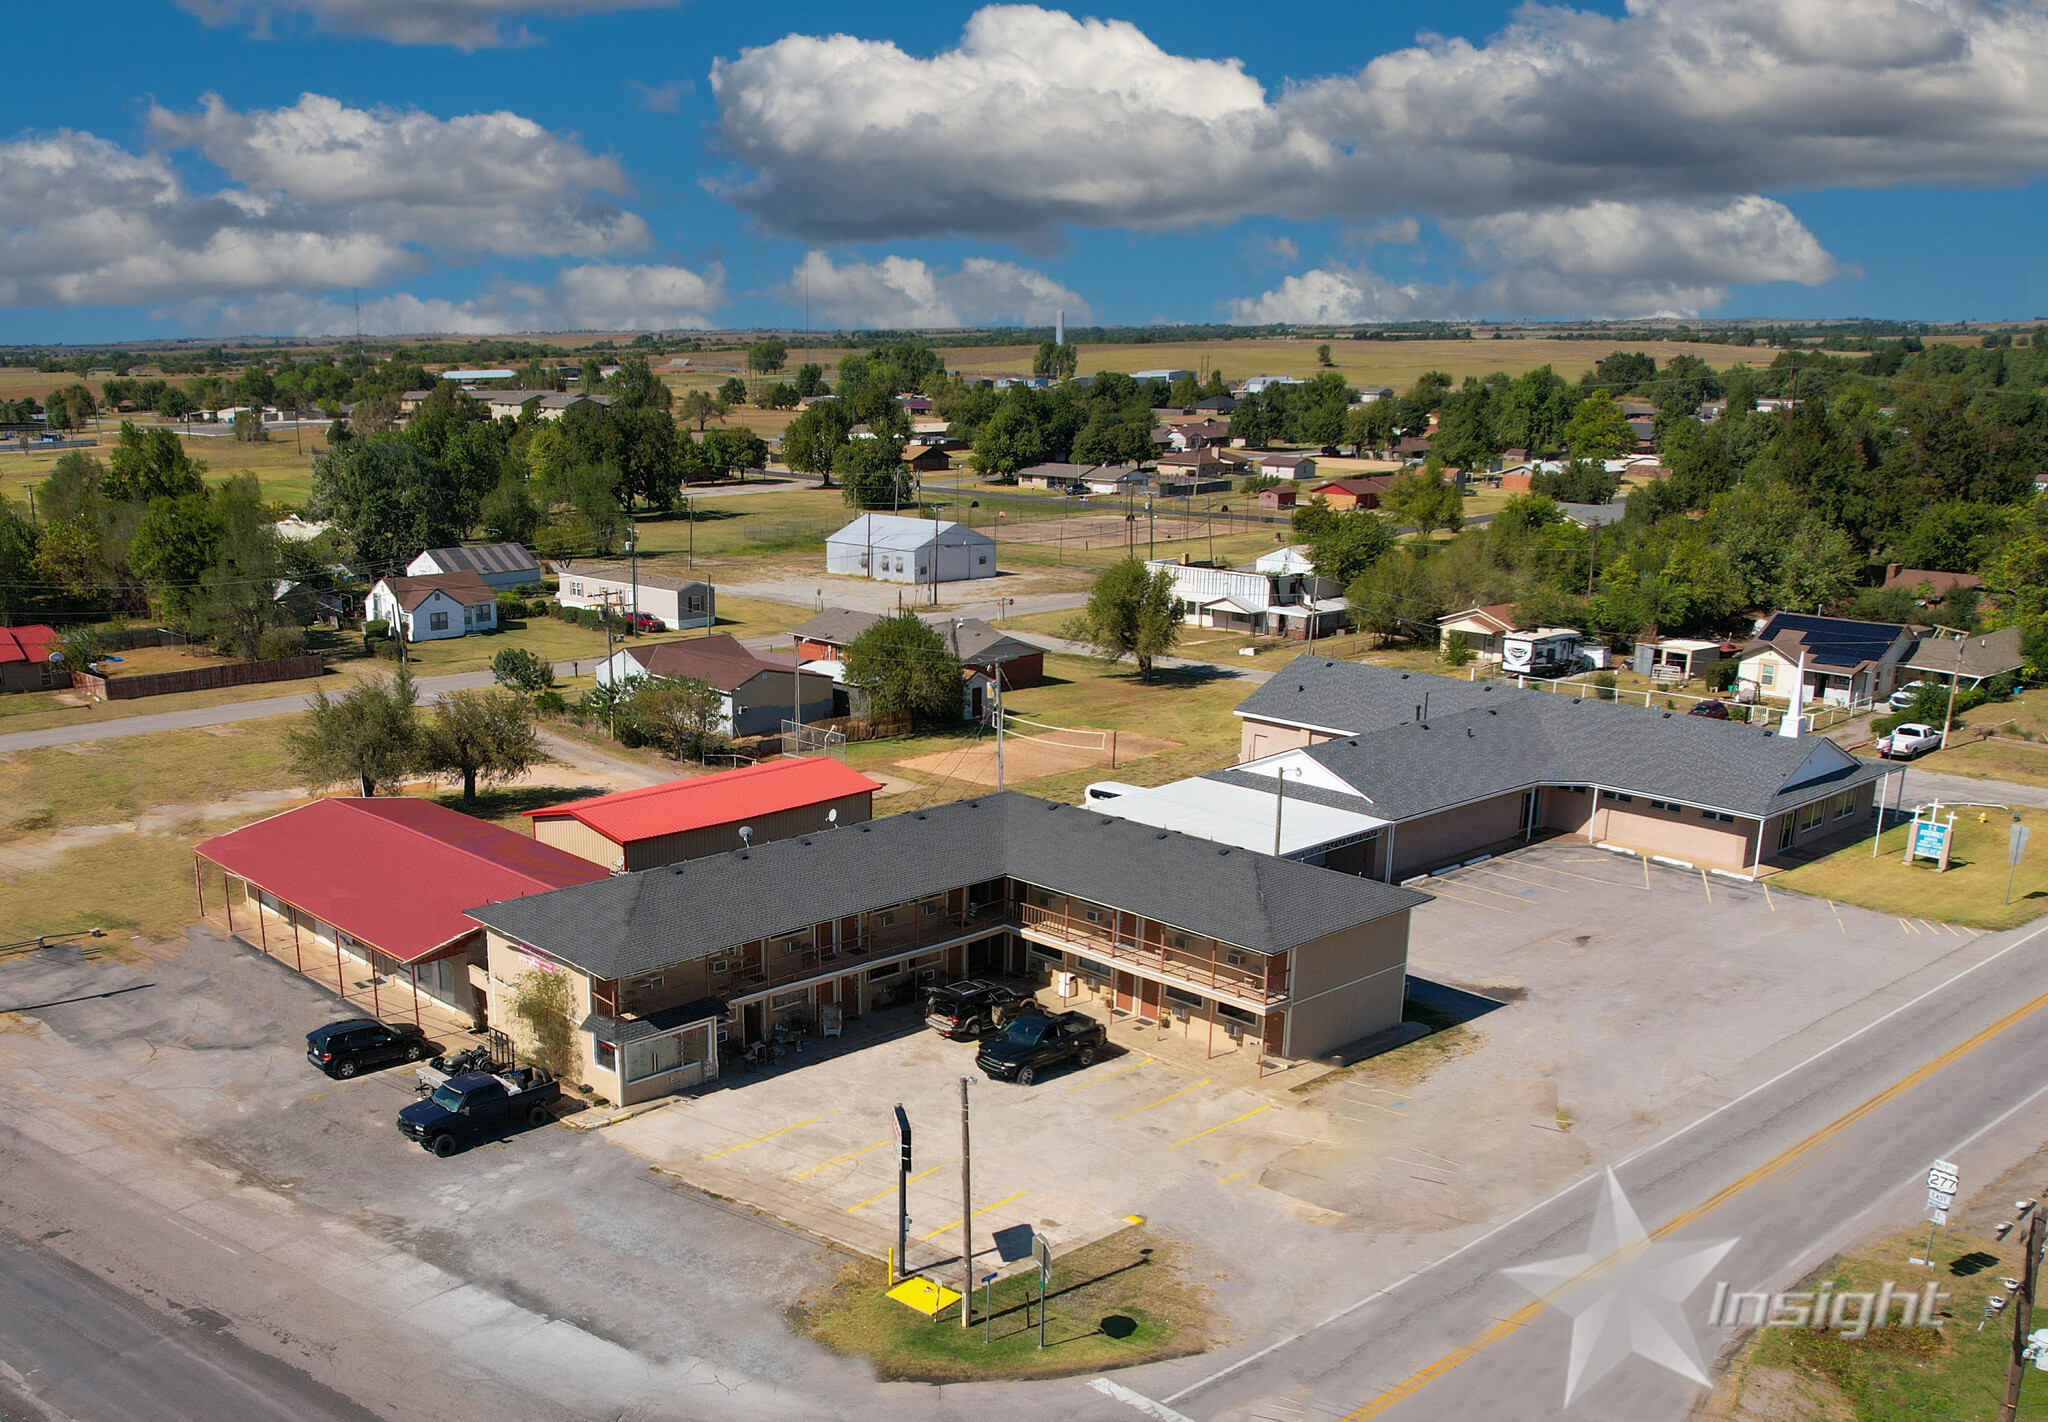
[[1164, 1099], [1767, 897], [1568, 873], [758, 1139], [1646, 875], [976, 1215], [1512, 898], [1907, 927], [1219, 1126], [838, 1160], [1838, 918], [1951, 928], [1228, 1178], [1703, 881], [881, 1194], [1443, 892], [1503, 874], [1092, 1081]]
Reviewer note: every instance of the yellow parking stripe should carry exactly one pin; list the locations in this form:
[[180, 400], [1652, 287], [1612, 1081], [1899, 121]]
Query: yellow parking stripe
[[1228, 1178], [976, 1215], [1219, 1126], [1703, 881], [758, 1139], [838, 1160], [1907, 927], [1838, 918], [1164, 1099], [1108, 1074], [881, 1194]]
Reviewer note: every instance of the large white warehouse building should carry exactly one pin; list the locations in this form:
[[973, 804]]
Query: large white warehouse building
[[895, 549]]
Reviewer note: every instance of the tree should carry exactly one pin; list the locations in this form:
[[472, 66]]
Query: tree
[[388, 499], [1344, 545], [369, 735], [545, 1001], [479, 734], [874, 474], [152, 464], [238, 602], [810, 380], [1055, 360], [1598, 429], [1012, 438], [522, 670], [1323, 354], [173, 550], [906, 668], [249, 428], [1457, 650], [682, 715], [733, 392], [509, 512], [701, 407], [19, 542], [767, 357], [814, 437], [1423, 501], [1132, 612]]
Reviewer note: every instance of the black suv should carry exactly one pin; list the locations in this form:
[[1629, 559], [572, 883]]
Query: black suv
[[970, 1007], [1035, 1042], [345, 1048]]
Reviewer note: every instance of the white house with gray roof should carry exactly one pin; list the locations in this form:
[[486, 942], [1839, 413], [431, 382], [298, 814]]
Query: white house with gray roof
[[894, 549]]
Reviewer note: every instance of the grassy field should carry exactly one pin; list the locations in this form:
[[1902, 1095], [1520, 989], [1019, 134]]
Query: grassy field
[[1972, 892], [285, 470], [1114, 1304]]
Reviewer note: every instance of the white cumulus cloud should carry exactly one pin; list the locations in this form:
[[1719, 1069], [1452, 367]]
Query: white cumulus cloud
[[465, 24], [906, 292], [320, 195], [596, 296]]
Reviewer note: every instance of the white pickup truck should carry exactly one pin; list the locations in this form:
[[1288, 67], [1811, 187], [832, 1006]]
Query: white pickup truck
[[1909, 740]]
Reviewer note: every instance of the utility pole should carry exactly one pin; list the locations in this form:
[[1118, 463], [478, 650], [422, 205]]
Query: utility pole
[[690, 513], [998, 694], [1592, 551], [2022, 1321], [967, 1215], [633, 554], [1151, 543], [1948, 717]]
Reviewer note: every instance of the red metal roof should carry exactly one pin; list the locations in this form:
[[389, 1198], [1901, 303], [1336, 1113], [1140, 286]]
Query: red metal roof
[[704, 800], [395, 873], [32, 643]]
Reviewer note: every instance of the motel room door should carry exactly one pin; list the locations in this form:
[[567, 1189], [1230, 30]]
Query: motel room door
[[1148, 1000], [1126, 993]]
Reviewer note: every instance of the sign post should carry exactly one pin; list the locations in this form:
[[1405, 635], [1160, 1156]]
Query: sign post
[[1043, 1253], [902, 1193], [2015, 846], [1943, 1181]]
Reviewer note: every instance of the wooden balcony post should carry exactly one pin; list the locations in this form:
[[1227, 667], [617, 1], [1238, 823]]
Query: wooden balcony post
[[199, 880], [298, 953], [227, 899], [262, 934]]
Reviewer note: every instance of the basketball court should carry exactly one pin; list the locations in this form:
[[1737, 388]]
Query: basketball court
[[1035, 748]]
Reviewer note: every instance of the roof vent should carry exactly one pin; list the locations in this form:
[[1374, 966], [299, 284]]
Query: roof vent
[[1667, 715], [1160, 835], [920, 814], [1491, 712], [675, 869], [742, 853], [1301, 688], [1470, 733], [1105, 819], [1577, 699], [866, 829], [1404, 676], [1224, 850]]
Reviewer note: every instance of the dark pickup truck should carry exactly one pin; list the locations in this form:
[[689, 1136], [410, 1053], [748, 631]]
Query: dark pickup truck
[[478, 1103], [1035, 1042], [970, 1007]]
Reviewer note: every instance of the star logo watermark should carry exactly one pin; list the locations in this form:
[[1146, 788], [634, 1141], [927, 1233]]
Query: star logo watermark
[[1623, 1295]]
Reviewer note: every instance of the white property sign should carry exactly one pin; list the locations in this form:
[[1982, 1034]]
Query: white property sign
[[1942, 1184]]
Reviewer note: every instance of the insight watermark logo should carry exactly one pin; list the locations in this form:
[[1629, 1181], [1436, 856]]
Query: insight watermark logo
[[1625, 1293], [1852, 1315]]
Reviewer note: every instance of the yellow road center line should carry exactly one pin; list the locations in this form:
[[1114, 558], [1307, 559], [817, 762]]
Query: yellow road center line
[[1514, 1321], [837, 1160], [1108, 1074], [1164, 1099], [1231, 1122], [881, 1194], [976, 1215], [758, 1139]]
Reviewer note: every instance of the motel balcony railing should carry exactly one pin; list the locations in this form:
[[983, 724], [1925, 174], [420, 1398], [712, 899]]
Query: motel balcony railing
[[912, 930], [1100, 940]]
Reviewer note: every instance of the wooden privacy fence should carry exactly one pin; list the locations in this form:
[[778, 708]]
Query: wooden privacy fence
[[127, 688]]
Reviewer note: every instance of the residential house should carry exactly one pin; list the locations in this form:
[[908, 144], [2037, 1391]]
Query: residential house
[[1288, 466], [927, 458], [677, 603], [25, 663], [1360, 492], [547, 405], [826, 637], [1116, 479], [1283, 599], [1678, 658], [1450, 768], [1970, 660], [1848, 662], [1414, 449], [1595, 515], [1929, 585], [374, 892], [434, 606], [914, 404], [1113, 917], [1167, 376], [757, 690], [896, 549], [1369, 394], [503, 566], [1484, 628], [1214, 405], [705, 814], [1059, 476], [1278, 499], [1200, 434], [1259, 383]]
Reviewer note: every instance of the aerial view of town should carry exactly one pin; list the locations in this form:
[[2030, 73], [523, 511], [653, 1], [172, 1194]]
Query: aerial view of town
[[939, 712]]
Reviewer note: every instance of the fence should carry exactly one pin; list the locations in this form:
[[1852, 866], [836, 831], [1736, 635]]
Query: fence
[[1813, 718], [129, 638], [799, 739], [127, 688]]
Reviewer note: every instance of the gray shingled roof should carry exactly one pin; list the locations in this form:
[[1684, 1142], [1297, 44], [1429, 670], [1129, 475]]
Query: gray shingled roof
[[1483, 739], [980, 644], [636, 923]]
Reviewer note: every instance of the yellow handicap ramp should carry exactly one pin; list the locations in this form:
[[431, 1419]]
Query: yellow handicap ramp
[[925, 1296]]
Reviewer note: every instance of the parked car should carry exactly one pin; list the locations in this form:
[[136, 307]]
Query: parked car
[[1713, 710], [344, 1048], [644, 622], [477, 1103], [1036, 1042], [1905, 696], [970, 1007], [1909, 740]]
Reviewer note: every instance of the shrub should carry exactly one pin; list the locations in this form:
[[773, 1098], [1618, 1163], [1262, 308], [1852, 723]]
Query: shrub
[[542, 1001], [1603, 685], [1457, 650], [375, 630], [1719, 676], [277, 642], [510, 607], [522, 670], [550, 703]]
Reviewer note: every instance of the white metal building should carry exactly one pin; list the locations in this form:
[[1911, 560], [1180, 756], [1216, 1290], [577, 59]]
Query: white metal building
[[895, 549]]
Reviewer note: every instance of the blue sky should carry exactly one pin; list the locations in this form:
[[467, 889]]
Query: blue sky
[[246, 166]]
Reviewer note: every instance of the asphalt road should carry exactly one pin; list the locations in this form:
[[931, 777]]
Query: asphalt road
[[73, 1345], [1833, 1146]]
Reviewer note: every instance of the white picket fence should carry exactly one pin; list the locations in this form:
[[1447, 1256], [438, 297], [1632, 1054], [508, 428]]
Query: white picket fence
[[1812, 718]]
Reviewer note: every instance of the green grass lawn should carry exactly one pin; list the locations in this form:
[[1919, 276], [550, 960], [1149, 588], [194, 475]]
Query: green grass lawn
[[1972, 892], [1114, 1304], [284, 468]]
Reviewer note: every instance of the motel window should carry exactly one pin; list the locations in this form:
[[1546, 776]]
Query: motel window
[[1184, 999], [1180, 942], [783, 1001], [658, 1056], [887, 920], [607, 1056], [1720, 815], [1662, 805], [1236, 1014], [1093, 915], [437, 621], [793, 945], [1090, 968], [649, 984], [928, 910], [1625, 799]]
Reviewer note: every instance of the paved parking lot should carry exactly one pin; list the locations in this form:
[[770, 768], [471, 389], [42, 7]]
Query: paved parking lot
[[1073, 1155]]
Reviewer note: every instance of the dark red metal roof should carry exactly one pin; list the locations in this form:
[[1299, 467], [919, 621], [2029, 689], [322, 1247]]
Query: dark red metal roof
[[396, 873], [701, 801], [32, 643]]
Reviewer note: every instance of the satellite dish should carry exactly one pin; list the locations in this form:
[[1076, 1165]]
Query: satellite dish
[[832, 818], [746, 834]]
